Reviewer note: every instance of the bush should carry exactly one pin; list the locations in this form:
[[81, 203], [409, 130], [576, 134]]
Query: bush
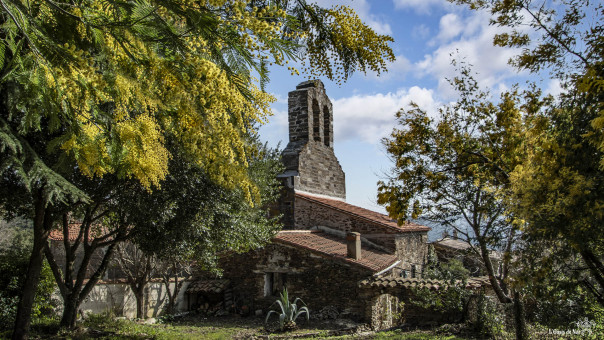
[[14, 259], [449, 299], [490, 320]]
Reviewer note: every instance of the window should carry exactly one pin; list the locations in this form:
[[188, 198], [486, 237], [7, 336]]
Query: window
[[413, 271], [326, 126], [274, 283], [316, 121]]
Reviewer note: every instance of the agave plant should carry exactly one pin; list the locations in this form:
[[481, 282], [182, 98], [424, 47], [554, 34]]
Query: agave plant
[[289, 311]]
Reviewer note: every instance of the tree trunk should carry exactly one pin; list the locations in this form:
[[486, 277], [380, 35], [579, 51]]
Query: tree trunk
[[139, 294], [70, 311], [596, 268], [519, 317], [42, 224]]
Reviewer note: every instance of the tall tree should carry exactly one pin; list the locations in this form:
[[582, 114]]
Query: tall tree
[[99, 226], [454, 169], [104, 84], [558, 188]]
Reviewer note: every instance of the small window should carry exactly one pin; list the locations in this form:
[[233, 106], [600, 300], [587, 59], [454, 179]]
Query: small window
[[404, 274], [274, 283], [413, 271]]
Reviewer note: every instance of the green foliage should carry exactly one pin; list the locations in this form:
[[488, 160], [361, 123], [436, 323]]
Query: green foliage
[[289, 311], [451, 296], [449, 270], [490, 320], [193, 218], [595, 322], [454, 169], [556, 193], [14, 259]]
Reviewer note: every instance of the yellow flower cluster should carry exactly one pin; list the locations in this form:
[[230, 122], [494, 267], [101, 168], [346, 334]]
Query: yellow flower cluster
[[127, 98], [353, 45]]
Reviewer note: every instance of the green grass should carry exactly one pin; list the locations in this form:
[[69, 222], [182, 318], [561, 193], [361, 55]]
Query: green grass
[[104, 326]]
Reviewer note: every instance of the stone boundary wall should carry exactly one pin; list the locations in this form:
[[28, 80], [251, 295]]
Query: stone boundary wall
[[118, 298]]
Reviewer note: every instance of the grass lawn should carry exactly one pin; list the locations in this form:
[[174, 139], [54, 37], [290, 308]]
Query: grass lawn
[[197, 327]]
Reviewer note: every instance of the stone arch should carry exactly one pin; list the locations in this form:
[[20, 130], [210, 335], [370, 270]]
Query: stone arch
[[316, 120], [326, 126]]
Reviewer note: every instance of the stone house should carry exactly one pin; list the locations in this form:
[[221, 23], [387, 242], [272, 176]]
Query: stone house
[[327, 247]]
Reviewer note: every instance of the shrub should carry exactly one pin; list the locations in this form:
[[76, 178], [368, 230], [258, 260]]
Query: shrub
[[14, 259], [490, 321]]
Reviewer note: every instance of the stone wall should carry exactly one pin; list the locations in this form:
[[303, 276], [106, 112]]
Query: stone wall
[[309, 158], [412, 250], [392, 306], [58, 250], [310, 214], [317, 280], [118, 298]]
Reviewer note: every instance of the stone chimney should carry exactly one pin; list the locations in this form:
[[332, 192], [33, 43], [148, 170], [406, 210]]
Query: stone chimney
[[353, 243]]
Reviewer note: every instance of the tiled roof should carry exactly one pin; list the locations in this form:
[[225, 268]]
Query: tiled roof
[[385, 282], [460, 245], [333, 247], [363, 213], [73, 232], [452, 243], [208, 286]]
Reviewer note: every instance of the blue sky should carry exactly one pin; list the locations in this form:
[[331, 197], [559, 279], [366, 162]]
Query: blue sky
[[426, 34]]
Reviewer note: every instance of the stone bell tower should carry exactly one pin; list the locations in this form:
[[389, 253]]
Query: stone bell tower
[[310, 163]]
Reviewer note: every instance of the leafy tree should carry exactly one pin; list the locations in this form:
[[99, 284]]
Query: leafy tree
[[455, 170], [558, 188], [139, 269], [105, 85]]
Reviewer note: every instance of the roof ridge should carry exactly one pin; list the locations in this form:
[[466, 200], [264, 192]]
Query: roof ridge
[[318, 200]]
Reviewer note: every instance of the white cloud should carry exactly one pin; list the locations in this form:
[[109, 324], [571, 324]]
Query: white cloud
[[421, 6], [363, 9], [469, 39], [450, 26], [554, 88], [420, 32], [372, 117], [277, 129]]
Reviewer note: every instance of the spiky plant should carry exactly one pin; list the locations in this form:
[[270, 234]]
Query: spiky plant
[[289, 311]]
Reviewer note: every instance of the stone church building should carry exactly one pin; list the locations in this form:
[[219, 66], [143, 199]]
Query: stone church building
[[329, 253]]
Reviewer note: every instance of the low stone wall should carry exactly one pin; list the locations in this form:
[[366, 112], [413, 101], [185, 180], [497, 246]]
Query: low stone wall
[[118, 298], [384, 310]]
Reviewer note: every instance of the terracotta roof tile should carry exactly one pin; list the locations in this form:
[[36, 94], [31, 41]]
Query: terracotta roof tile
[[73, 232], [369, 215], [386, 282], [333, 247], [452, 244], [208, 286]]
